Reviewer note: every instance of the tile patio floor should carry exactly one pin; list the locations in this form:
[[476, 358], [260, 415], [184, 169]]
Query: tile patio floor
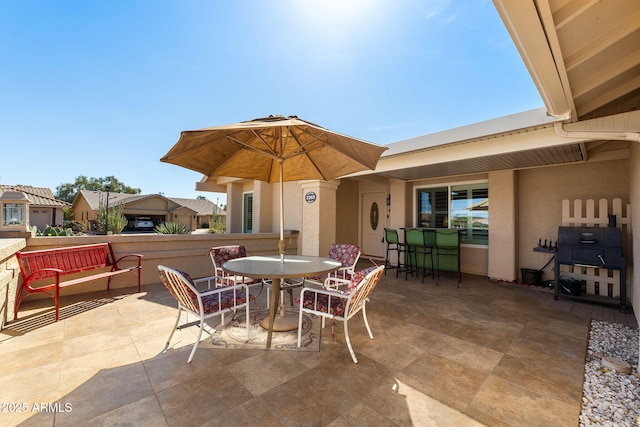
[[482, 354]]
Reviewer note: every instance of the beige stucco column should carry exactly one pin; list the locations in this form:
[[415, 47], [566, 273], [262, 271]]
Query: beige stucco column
[[503, 260], [400, 211], [634, 195], [263, 206], [318, 217], [234, 208]]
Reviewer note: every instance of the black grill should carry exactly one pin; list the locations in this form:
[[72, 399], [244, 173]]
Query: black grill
[[590, 246], [596, 247]]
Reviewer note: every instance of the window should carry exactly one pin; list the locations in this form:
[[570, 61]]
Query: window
[[432, 208], [13, 214], [247, 213], [461, 206]]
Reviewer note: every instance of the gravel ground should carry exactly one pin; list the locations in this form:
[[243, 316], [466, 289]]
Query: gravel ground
[[610, 398]]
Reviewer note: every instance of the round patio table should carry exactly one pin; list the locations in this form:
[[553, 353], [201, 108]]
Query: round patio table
[[271, 267]]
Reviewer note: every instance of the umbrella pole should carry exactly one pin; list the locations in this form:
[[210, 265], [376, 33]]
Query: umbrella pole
[[281, 245]]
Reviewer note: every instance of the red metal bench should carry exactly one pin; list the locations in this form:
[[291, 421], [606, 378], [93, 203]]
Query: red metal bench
[[42, 270]]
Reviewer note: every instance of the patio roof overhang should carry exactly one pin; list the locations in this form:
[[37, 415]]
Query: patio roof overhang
[[583, 55]]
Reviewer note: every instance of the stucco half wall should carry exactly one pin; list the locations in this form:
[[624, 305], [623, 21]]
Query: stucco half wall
[[540, 195]]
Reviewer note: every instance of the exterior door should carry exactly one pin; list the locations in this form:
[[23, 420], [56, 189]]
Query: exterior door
[[373, 220]]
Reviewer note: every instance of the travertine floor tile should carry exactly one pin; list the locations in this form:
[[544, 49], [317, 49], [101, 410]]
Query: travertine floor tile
[[504, 401], [475, 355]]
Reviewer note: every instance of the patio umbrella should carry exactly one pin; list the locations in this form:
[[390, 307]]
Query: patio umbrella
[[273, 149]]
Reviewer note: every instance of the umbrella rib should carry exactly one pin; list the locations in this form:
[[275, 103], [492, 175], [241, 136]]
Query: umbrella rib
[[269, 153], [303, 150], [338, 149]]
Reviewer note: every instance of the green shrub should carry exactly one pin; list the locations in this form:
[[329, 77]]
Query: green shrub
[[172, 228], [75, 226], [53, 231], [117, 220], [217, 227]]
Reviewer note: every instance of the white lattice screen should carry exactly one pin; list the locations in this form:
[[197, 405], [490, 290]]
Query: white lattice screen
[[600, 281]]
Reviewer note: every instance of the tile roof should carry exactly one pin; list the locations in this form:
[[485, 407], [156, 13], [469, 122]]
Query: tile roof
[[201, 206], [38, 196]]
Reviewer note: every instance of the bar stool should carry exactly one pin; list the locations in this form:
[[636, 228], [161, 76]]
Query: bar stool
[[448, 251], [420, 252], [394, 245]]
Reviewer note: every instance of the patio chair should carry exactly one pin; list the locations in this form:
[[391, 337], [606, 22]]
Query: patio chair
[[341, 305], [394, 244], [203, 304], [348, 256], [221, 254]]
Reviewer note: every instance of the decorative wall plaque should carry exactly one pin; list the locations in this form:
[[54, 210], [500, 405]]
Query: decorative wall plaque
[[310, 197], [374, 214]]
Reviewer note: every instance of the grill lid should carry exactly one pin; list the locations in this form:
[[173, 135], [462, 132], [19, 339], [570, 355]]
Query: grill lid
[[594, 236]]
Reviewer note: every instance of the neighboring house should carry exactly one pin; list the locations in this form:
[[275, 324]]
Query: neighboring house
[[191, 212], [44, 208], [204, 210], [584, 58]]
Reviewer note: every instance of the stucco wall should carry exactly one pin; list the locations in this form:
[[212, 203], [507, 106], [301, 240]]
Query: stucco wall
[[293, 200], [634, 191], [187, 252], [502, 259], [347, 212], [9, 274], [540, 195]]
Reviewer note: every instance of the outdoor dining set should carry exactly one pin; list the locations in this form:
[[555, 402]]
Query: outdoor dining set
[[331, 288]]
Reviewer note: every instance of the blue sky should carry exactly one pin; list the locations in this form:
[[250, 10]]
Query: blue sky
[[101, 88]]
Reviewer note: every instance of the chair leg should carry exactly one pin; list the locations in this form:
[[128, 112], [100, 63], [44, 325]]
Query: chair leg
[[174, 329], [247, 315], [424, 263], [409, 265], [346, 337], [195, 346], [268, 299], [386, 261], [300, 325], [366, 321]]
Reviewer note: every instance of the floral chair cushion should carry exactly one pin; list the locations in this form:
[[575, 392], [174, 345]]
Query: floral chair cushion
[[223, 300], [334, 305], [165, 280], [357, 278], [222, 254], [346, 254], [211, 303]]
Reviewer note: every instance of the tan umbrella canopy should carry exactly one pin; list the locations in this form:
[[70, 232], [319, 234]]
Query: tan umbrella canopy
[[273, 149]]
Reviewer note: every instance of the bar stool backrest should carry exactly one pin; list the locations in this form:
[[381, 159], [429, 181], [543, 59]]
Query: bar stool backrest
[[391, 236], [414, 237]]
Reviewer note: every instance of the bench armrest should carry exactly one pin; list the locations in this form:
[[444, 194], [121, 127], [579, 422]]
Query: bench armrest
[[43, 273], [139, 256]]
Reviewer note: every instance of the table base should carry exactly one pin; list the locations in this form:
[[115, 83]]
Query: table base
[[281, 323]]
